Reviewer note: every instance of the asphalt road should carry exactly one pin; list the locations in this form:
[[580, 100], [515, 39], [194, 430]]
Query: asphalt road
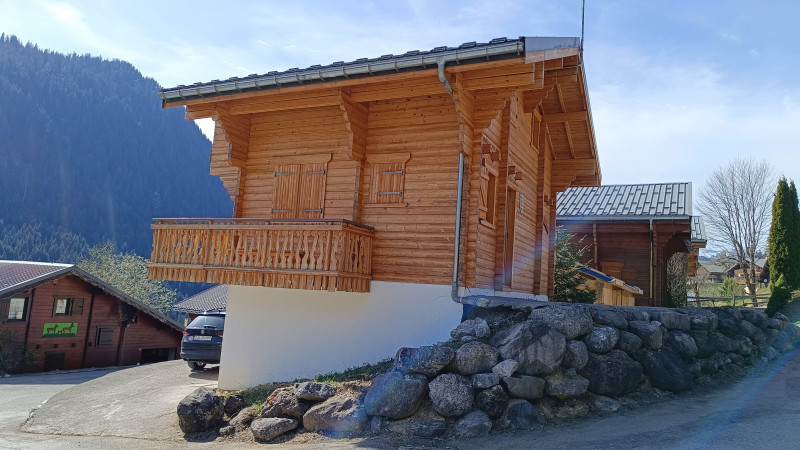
[[134, 408]]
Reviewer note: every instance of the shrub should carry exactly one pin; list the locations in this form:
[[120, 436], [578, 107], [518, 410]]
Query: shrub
[[781, 295], [9, 352], [729, 288]]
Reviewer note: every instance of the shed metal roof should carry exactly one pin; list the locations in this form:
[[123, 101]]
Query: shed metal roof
[[626, 201], [214, 299], [698, 230], [467, 53], [19, 276]]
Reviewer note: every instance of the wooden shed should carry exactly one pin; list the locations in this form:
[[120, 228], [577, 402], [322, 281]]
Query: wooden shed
[[65, 318], [633, 230], [426, 175]]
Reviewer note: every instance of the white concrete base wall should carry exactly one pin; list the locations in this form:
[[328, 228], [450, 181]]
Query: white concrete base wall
[[276, 334]]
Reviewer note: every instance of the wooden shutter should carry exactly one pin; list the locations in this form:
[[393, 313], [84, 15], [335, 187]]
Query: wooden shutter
[[284, 194], [4, 306], [312, 190], [487, 192], [387, 182], [105, 336], [77, 306]]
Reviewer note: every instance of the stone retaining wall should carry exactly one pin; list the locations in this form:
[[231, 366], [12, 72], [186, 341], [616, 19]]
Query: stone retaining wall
[[506, 369]]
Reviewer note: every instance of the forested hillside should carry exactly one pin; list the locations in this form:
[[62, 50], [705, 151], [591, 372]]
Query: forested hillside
[[85, 148]]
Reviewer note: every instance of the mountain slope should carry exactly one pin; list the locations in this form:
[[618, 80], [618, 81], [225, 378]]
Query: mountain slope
[[85, 145]]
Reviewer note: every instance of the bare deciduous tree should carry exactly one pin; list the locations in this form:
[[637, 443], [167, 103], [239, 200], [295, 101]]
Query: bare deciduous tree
[[736, 205]]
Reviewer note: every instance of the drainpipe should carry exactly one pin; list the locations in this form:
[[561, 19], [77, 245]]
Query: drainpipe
[[457, 240], [652, 257], [442, 78]]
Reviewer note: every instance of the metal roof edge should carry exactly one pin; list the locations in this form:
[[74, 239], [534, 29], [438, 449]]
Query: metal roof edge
[[624, 218], [469, 53]]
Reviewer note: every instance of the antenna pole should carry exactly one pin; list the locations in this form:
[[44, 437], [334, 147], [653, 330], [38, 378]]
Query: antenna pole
[[583, 9]]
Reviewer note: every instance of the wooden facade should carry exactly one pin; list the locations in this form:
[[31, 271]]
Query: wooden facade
[[67, 322], [378, 156]]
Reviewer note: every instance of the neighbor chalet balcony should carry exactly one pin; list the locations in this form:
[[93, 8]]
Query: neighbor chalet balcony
[[329, 255]]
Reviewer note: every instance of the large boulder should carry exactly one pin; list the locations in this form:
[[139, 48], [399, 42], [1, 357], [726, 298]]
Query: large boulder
[[652, 334], [576, 355], [270, 428], [492, 401], [701, 319], [339, 415], [612, 374], [233, 404], [451, 394], [569, 320], [313, 391], [722, 343], [485, 380], [283, 403], [602, 339], [200, 410], [474, 327], [755, 317], [395, 395], [702, 339], [666, 369], [609, 317], [565, 384], [505, 368], [524, 386], [671, 319], [521, 414], [629, 342], [728, 318], [538, 347], [746, 328], [682, 343], [474, 357], [783, 342], [427, 360], [474, 424], [426, 423], [242, 420], [744, 346]]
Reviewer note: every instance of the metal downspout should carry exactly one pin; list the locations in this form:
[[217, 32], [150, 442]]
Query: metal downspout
[[457, 240], [442, 78], [652, 256]]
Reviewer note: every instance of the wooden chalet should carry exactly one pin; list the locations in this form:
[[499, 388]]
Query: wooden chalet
[[66, 318], [631, 231], [432, 168]]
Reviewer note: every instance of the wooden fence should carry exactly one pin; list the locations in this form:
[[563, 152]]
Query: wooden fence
[[749, 301]]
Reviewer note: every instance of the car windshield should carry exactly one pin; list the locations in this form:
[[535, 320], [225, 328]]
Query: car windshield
[[217, 322]]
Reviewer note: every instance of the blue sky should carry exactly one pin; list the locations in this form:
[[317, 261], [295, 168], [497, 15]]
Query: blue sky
[[677, 88]]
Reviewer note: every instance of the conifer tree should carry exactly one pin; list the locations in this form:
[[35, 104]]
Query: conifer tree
[[779, 235], [567, 277], [793, 277]]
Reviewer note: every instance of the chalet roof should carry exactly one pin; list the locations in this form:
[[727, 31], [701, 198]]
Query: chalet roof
[[698, 230], [19, 276], [588, 272], [467, 53], [214, 299], [713, 268], [627, 202]]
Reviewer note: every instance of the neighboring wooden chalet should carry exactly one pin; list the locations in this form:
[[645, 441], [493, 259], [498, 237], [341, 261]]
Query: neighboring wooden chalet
[[411, 178], [714, 272], [65, 318], [213, 299], [633, 230], [609, 290]]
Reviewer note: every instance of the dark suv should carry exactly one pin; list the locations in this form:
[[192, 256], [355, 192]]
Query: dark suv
[[202, 339]]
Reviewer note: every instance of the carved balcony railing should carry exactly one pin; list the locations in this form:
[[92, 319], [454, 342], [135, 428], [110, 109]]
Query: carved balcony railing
[[332, 255]]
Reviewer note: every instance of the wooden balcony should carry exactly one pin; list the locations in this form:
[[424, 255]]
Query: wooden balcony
[[330, 255]]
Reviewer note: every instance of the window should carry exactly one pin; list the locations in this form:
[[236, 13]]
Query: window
[[387, 178], [299, 189], [67, 306], [105, 337], [14, 309]]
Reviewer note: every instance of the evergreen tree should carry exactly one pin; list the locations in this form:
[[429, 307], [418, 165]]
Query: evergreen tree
[[567, 277], [793, 277], [780, 235]]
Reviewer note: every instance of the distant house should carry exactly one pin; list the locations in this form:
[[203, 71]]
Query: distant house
[[373, 199], [213, 299], [631, 231], [761, 269], [714, 272], [66, 318]]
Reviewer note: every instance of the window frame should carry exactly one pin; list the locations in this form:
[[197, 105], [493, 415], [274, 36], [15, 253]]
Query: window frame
[[7, 311], [73, 307], [388, 169], [99, 334]]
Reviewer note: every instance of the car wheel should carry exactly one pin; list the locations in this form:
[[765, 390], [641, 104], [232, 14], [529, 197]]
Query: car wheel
[[196, 365]]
